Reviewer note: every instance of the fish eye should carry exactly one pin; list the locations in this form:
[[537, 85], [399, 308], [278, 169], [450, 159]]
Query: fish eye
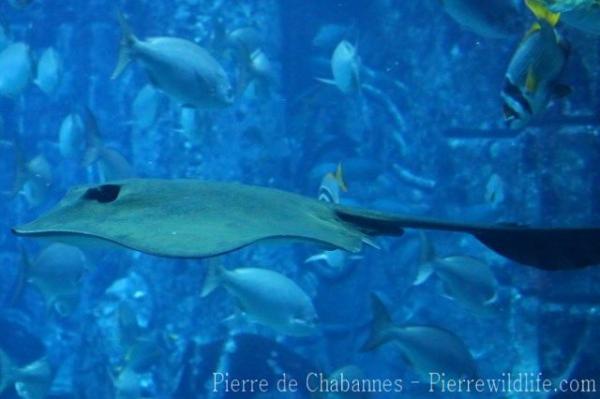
[[103, 194]]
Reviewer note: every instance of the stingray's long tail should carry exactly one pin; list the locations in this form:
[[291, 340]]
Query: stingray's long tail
[[543, 248]]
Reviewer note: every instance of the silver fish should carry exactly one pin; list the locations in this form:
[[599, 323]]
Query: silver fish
[[267, 297], [16, 69], [427, 349], [34, 179], [72, 137], [49, 71], [465, 279], [345, 67], [145, 107], [179, 67], [57, 273]]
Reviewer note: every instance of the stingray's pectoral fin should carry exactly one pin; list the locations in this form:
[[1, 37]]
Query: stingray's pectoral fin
[[548, 249]]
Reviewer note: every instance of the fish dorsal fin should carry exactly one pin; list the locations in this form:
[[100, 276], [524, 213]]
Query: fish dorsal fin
[[381, 316], [339, 177], [531, 81], [542, 13]]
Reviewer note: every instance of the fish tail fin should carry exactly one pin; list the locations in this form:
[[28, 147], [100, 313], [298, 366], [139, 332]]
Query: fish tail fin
[[94, 146], [426, 260], [127, 41], [542, 13], [213, 278], [424, 271], [380, 325]]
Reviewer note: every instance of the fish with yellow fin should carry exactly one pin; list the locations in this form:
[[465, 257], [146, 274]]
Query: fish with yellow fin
[[584, 17], [532, 77], [332, 184], [332, 264], [49, 71]]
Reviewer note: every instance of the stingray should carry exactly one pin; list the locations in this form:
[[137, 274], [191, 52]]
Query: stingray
[[196, 219]]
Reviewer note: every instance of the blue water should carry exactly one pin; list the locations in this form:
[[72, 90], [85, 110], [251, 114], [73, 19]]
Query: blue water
[[403, 149]]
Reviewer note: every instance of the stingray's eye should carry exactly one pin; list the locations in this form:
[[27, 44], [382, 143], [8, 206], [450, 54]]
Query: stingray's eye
[[103, 194]]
